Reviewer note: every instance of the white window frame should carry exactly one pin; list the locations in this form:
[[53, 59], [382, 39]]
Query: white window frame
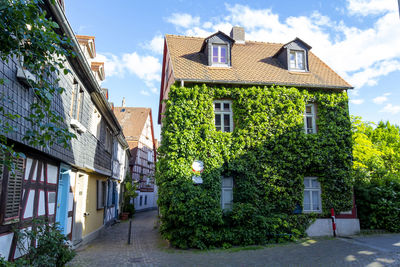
[[313, 116], [226, 188], [296, 64], [309, 190], [222, 112], [219, 63]]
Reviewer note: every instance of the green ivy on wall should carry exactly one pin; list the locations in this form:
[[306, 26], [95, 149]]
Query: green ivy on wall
[[268, 155]]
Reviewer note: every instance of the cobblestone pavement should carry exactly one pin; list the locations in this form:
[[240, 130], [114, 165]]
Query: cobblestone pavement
[[148, 249]]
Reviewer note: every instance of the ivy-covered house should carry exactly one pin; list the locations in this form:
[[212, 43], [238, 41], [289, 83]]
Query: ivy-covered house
[[271, 124]]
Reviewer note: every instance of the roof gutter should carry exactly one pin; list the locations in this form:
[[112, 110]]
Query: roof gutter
[[96, 94], [262, 83]]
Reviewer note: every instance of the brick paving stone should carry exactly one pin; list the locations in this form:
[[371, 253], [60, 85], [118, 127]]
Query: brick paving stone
[[148, 249]]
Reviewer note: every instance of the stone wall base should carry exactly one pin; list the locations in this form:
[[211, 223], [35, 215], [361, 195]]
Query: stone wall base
[[344, 227]]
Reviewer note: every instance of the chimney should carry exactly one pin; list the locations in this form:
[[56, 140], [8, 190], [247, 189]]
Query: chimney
[[237, 34], [123, 102]]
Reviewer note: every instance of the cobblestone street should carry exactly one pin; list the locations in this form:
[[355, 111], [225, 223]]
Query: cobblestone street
[[148, 249]]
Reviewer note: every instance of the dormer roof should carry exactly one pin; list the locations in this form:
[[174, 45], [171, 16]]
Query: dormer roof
[[295, 40], [218, 33], [88, 41], [98, 67]]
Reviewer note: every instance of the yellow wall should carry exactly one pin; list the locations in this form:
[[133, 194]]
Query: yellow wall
[[94, 220]]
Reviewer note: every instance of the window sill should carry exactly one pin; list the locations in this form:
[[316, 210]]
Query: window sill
[[77, 125], [219, 67], [301, 72], [312, 211], [24, 76]]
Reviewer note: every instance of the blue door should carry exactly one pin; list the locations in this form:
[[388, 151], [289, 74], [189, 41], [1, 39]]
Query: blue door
[[62, 200]]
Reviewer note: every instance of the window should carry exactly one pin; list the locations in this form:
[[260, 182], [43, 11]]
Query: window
[[219, 55], [312, 195], [296, 60], [77, 102], [101, 194], [145, 200], [96, 123], [10, 196], [223, 116], [227, 193], [140, 200], [309, 119]]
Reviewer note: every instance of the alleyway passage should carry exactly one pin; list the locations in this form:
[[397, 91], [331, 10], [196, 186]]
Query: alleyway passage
[[148, 249]]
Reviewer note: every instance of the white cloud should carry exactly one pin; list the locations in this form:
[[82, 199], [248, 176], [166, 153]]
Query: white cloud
[[357, 101], [156, 44], [144, 92], [370, 7], [183, 20], [360, 55], [145, 67], [381, 99], [389, 108]]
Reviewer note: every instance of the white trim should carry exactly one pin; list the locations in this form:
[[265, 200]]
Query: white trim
[[219, 56], [296, 67], [223, 112], [313, 117], [226, 188], [309, 190]]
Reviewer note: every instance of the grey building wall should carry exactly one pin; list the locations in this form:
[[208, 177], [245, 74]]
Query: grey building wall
[[86, 151]]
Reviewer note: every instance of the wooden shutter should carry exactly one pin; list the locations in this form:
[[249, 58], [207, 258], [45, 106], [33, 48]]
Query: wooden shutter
[[14, 190]]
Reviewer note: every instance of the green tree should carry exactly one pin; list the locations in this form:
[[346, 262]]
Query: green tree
[[376, 168], [30, 37]]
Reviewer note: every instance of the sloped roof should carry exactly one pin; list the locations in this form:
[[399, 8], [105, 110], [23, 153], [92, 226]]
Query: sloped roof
[[252, 63], [132, 121]]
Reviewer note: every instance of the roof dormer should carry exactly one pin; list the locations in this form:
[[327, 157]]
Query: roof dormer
[[217, 48], [87, 45], [294, 55], [98, 70]]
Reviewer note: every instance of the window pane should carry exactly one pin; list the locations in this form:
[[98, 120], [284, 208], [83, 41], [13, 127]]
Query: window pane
[[227, 106], [227, 182], [223, 54], [227, 120], [309, 125], [315, 200], [217, 119], [306, 182], [308, 109], [300, 57], [218, 128], [217, 106], [314, 183], [215, 53], [307, 200], [292, 60]]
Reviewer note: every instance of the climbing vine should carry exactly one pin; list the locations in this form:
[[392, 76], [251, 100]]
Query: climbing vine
[[268, 155]]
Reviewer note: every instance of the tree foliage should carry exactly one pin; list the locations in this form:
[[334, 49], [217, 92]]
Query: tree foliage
[[268, 155], [29, 38], [377, 173]]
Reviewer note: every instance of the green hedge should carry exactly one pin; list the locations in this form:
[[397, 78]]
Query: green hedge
[[378, 204], [268, 155]]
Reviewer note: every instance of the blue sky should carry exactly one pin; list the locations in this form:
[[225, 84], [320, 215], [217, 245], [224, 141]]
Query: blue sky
[[359, 39]]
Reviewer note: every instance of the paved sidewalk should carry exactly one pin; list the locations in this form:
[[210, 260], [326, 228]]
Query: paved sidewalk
[[148, 249]]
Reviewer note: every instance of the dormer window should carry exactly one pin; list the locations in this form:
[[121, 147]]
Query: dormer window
[[219, 54], [296, 60]]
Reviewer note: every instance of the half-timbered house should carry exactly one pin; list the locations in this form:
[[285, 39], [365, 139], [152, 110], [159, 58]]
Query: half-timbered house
[[76, 186]]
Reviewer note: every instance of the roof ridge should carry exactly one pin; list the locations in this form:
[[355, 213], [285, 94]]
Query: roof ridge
[[196, 37]]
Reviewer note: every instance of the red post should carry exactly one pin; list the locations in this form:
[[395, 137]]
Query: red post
[[333, 222]]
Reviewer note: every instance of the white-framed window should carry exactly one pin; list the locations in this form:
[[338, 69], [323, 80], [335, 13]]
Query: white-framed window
[[310, 125], [296, 60], [312, 195], [101, 194], [219, 54], [227, 193], [223, 115]]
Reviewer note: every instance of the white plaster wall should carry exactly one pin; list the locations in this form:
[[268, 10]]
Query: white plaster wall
[[344, 227], [151, 200]]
